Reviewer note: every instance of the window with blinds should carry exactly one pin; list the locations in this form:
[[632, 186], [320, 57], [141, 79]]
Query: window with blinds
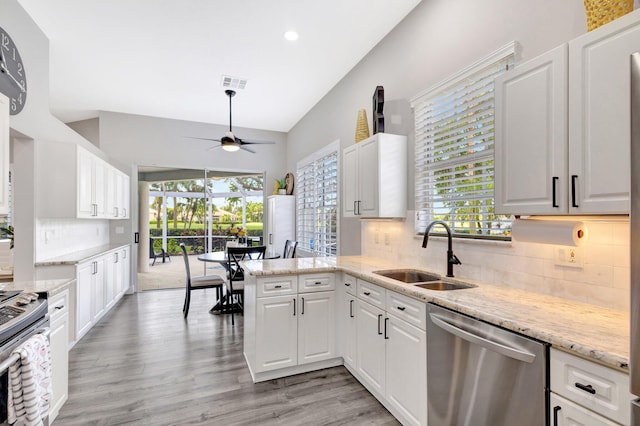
[[454, 136], [317, 203]]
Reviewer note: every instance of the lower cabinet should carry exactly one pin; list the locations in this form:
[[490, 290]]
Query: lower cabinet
[[391, 351], [100, 283], [59, 344], [586, 393], [347, 325], [292, 328]]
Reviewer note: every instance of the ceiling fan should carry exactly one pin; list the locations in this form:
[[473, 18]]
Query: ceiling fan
[[230, 142]]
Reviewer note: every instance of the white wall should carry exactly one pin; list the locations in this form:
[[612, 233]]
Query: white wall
[[437, 39]]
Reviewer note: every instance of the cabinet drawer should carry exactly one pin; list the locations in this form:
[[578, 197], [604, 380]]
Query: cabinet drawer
[[594, 386], [349, 284], [568, 413], [372, 293], [58, 305], [411, 310], [276, 286], [316, 282]]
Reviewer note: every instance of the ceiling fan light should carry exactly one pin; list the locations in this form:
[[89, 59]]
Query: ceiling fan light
[[230, 146]]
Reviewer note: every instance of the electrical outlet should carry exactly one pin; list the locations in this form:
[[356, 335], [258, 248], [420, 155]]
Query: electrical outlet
[[119, 229], [569, 256]]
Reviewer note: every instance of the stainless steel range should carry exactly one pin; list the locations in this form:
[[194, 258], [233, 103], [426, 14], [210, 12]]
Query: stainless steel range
[[21, 316]]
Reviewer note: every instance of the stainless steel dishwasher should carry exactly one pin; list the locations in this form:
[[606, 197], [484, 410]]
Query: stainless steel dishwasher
[[482, 375]]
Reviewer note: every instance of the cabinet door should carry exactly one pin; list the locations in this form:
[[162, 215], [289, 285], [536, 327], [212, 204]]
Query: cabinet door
[[85, 184], [370, 351], [348, 329], [84, 307], [271, 210], [316, 327], [368, 187], [59, 341], [276, 333], [565, 413], [406, 381], [531, 136], [126, 270], [600, 117], [4, 154], [112, 193], [111, 279], [349, 181], [98, 289], [100, 188], [124, 207]]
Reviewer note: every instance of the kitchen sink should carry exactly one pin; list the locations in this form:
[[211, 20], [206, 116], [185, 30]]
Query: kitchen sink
[[409, 276], [444, 286]]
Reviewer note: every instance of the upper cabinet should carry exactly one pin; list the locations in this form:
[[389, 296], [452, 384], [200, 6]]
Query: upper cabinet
[[71, 182], [374, 177], [562, 126], [4, 154]]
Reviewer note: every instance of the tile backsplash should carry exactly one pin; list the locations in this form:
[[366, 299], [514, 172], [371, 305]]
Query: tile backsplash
[[602, 279], [57, 237]]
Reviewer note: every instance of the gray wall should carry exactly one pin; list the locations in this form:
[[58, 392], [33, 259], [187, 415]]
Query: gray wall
[[437, 39]]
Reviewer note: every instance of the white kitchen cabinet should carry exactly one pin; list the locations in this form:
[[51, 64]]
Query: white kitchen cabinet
[[276, 333], [59, 348], [281, 222], [578, 153], [117, 194], [72, 182], [347, 325], [406, 369], [370, 358], [563, 412], [113, 278], [4, 154], [316, 327], [531, 136], [598, 392], [98, 289], [374, 179], [84, 300], [125, 269]]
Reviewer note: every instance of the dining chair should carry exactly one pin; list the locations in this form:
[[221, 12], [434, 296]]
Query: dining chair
[[235, 287], [198, 283], [289, 249]]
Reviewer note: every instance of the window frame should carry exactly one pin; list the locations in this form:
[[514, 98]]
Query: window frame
[[424, 185], [304, 246]]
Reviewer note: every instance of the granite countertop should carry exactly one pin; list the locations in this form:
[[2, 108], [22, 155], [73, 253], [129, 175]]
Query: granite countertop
[[51, 287], [596, 333], [79, 256]]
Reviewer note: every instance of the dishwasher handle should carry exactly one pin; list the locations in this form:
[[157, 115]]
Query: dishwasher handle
[[488, 344]]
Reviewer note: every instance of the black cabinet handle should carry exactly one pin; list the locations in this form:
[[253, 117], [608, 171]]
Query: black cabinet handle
[[347, 284], [379, 318], [366, 293], [278, 286], [59, 307], [355, 210], [302, 310], [294, 307], [553, 190], [574, 178], [401, 308], [351, 308], [555, 414], [586, 388], [386, 320], [317, 283]]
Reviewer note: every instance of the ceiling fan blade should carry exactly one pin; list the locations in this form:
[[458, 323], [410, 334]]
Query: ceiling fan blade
[[214, 147], [204, 139], [244, 148], [253, 141]]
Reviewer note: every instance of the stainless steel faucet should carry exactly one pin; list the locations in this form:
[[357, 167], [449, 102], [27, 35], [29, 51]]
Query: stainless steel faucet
[[452, 259]]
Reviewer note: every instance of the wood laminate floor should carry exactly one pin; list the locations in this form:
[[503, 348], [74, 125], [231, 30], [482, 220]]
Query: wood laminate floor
[[143, 364]]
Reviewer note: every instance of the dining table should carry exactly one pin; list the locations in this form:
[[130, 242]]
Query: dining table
[[221, 258]]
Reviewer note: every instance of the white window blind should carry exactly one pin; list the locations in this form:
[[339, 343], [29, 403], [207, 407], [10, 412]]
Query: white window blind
[[454, 136], [317, 203]]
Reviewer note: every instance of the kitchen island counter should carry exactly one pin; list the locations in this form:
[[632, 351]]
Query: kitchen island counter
[[596, 333]]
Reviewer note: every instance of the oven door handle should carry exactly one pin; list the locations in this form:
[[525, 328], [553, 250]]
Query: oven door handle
[[508, 351]]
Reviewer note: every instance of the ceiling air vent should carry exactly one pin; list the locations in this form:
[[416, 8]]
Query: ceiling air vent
[[230, 82]]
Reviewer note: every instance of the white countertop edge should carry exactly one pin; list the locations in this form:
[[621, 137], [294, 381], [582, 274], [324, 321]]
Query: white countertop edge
[[80, 256]]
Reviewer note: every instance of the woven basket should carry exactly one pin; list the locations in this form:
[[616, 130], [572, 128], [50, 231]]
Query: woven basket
[[362, 126], [599, 12]]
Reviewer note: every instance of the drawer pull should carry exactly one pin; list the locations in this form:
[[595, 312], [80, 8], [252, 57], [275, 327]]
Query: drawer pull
[[366, 293], [347, 284], [586, 388], [401, 308], [317, 283], [59, 307], [277, 286]]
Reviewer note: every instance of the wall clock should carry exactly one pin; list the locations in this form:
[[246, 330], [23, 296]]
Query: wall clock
[[13, 78]]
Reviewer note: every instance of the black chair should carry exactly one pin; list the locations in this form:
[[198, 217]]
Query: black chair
[[153, 254], [289, 249], [198, 283], [235, 286]]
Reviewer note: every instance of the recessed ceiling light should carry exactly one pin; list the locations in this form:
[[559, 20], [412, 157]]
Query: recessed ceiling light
[[291, 35]]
